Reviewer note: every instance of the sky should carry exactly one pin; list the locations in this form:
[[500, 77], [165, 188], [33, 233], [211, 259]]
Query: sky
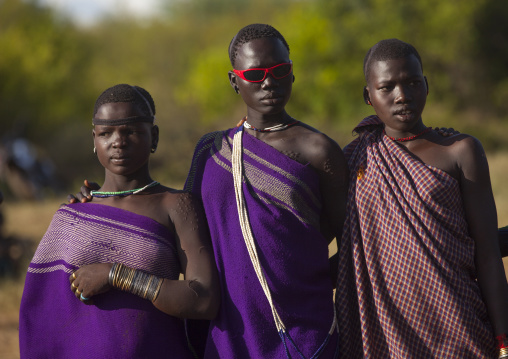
[[86, 12]]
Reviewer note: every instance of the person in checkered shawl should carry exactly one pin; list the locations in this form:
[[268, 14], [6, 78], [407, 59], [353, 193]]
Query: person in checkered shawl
[[420, 270]]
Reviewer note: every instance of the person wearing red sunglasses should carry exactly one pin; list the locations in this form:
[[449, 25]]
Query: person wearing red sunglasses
[[259, 75], [274, 192]]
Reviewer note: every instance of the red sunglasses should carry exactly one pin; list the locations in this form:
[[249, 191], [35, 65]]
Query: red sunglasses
[[259, 74]]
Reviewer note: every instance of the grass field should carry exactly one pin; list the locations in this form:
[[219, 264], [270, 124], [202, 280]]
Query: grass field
[[30, 220]]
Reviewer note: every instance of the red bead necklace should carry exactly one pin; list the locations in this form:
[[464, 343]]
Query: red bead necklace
[[404, 139]]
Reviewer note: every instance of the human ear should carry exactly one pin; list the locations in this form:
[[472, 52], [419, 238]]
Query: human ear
[[426, 84], [93, 137], [366, 96], [232, 81], [155, 137]]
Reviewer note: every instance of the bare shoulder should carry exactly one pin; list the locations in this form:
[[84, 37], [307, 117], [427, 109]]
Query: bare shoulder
[[464, 146], [182, 207], [179, 201], [456, 154], [316, 144]]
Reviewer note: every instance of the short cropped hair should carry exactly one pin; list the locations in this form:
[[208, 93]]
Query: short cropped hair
[[387, 50], [136, 95], [253, 32]]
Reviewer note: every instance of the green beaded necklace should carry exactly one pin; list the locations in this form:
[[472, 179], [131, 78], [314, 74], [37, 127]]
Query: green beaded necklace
[[99, 194]]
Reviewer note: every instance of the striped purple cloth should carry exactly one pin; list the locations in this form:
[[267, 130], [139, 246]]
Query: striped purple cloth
[[406, 285], [55, 324], [284, 204]]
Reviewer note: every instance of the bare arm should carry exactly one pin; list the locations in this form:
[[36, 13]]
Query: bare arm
[[333, 182], [196, 297], [481, 216]]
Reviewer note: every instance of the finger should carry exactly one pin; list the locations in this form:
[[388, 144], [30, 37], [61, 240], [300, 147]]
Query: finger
[[75, 290], [87, 302], [92, 185], [74, 282], [71, 199], [85, 191], [84, 298], [80, 197]]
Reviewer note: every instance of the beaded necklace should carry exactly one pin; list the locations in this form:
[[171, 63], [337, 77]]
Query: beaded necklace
[[279, 127], [99, 194], [404, 139]]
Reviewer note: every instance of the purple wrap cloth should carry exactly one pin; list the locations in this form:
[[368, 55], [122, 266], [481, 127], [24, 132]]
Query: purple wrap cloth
[[406, 286], [55, 324], [284, 204]]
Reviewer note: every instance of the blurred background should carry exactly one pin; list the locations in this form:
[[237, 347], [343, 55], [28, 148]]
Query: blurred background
[[57, 56]]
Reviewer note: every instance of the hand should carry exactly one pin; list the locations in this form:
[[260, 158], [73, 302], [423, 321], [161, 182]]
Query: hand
[[84, 195], [446, 132], [90, 280]]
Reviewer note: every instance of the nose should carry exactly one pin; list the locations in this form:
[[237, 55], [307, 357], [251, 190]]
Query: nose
[[403, 94], [269, 81], [119, 140]]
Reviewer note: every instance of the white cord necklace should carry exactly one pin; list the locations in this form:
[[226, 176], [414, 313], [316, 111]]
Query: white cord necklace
[[237, 166]]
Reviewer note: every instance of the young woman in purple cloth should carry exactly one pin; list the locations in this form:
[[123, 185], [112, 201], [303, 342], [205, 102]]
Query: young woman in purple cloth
[[420, 271], [274, 192], [122, 253]]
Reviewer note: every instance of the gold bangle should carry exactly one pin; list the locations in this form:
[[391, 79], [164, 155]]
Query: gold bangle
[[114, 281], [131, 279], [125, 278], [148, 286], [157, 290]]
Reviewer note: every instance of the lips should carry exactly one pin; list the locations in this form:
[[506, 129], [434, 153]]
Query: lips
[[272, 96], [273, 99], [119, 159], [404, 112]]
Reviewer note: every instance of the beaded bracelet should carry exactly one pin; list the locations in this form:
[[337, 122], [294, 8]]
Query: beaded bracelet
[[502, 346], [137, 282]]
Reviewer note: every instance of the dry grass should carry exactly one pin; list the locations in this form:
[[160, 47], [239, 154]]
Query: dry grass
[[30, 220]]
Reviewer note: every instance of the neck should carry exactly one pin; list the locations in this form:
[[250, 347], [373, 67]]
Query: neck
[[404, 133], [123, 183], [263, 121]]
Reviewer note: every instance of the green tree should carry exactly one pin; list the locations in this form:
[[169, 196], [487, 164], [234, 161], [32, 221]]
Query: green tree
[[42, 63]]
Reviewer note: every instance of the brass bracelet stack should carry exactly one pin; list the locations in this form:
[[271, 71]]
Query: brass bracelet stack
[[135, 281], [502, 346]]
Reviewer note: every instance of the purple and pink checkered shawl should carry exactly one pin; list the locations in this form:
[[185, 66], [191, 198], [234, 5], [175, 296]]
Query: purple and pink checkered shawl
[[284, 203], [55, 324], [406, 286]]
